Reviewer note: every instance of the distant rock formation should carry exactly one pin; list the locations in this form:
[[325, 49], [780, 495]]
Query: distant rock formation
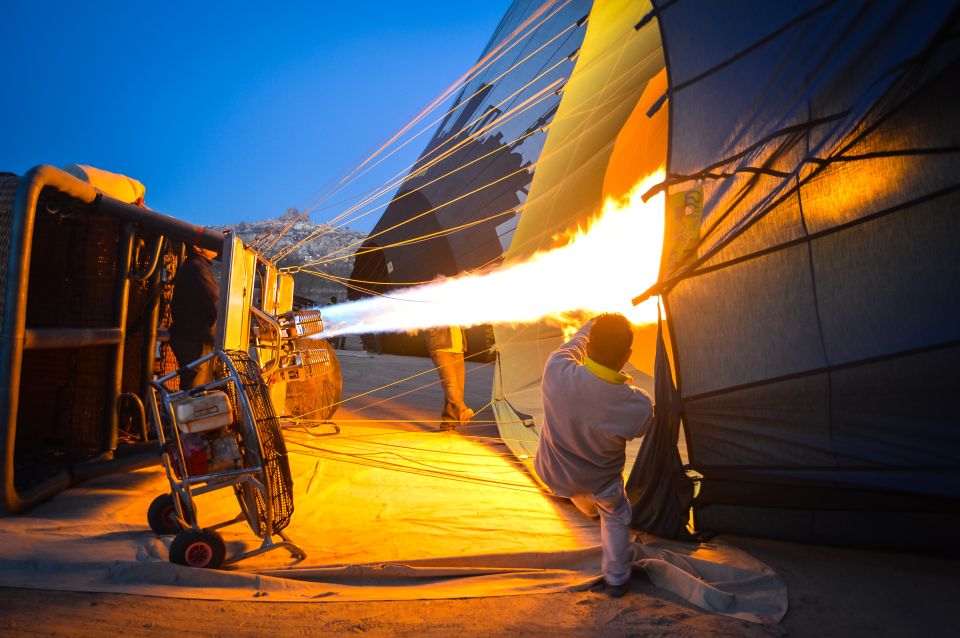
[[327, 240]]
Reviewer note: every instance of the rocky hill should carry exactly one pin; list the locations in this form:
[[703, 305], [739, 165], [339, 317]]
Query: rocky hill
[[331, 238]]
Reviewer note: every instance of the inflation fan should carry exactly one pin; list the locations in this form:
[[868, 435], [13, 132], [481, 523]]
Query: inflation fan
[[218, 435]]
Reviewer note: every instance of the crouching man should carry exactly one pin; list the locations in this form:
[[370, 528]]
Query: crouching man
[[590, 411]]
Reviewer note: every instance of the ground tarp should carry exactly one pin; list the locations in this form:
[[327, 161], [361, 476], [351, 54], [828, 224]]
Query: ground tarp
[[383, 515]]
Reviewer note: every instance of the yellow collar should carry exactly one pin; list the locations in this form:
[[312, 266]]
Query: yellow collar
[[604, 373]]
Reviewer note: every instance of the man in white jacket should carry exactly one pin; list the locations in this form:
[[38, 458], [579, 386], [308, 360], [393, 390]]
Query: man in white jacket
[[590, 411]]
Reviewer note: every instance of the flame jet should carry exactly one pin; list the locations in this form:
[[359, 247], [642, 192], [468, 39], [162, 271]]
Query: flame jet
[[580, 278]]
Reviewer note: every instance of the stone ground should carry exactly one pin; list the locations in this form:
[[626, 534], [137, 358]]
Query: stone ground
[[832, 591]]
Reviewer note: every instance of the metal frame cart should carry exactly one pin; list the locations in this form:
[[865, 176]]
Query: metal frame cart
[[248, 454]]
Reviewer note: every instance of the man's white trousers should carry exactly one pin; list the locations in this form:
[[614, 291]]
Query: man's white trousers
[[612, 506]]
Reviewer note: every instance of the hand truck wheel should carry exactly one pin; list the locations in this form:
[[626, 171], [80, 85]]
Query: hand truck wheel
[[162, 515], [204, 549]]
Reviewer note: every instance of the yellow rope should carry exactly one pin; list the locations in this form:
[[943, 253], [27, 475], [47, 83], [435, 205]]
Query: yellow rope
[[495, 54]]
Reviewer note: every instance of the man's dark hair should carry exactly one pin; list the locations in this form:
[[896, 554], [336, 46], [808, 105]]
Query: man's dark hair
[[610, 339]]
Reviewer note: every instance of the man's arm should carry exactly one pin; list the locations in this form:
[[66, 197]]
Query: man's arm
[[575, 349], [646, 414]]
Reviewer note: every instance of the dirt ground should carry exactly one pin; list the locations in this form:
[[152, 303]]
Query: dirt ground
[[832, 591], [645, 612]]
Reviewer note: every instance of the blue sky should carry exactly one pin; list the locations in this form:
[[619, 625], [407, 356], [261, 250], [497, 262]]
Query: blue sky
[[227, 111]]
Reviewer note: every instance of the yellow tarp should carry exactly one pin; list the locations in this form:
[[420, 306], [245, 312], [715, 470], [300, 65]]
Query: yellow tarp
[[382, 515]]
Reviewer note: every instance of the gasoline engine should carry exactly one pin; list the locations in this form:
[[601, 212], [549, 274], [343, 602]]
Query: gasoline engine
[[207, 439], [222, 434]]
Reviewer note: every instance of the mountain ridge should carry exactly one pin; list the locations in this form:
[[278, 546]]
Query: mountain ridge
[[329, 239]]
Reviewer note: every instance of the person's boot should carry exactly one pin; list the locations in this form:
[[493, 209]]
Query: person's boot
[[616, 591], [613, 591]]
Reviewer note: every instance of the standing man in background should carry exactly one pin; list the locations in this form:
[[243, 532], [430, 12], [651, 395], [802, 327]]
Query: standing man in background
[[196, 295], [446, 347], [590, 411]]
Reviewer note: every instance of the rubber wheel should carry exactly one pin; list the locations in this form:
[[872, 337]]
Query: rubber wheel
[[198, 549], [162, 515]]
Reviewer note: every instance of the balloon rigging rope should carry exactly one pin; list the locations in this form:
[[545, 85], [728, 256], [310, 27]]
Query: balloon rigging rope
[[418, 389], [408, 378], [415, 240], [537, 98], [479, 67], [329, 226], [425, 469], [401, 176], [393, 383], [399, 432], [496, 54], [608, 50], [600, 56], [465, 128], [510, 114], [373, 448]]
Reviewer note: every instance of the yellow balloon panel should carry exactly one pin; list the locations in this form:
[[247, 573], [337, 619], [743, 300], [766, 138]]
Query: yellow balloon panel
[[615, 64], [641, 146], [588, 156], [640, 150]]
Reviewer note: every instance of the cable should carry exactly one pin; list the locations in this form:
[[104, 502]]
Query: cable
[[339, 421], [469, 124], [607, 51], [497, 122], [398, 432], [435, 473], [413, 240], [376, 444], [402, 394], [480, 66], [286, 251], [464, 101], [394, 396], [406, 172], [418, 389], [326, 259], [550, 90], [338, 280], [393, 383]]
